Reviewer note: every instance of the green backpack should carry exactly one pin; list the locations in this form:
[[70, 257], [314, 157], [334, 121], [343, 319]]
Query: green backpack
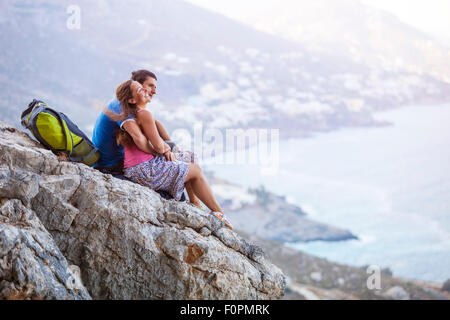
[[56, 132]]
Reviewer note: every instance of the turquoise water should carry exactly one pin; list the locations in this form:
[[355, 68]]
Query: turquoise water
[[390, 186]]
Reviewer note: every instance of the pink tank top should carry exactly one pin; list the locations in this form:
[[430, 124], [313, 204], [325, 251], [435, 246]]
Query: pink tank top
[[134, 156]]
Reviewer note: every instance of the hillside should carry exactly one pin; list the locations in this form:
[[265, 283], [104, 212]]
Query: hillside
[[313, 278], [210, 68], [349, 29]]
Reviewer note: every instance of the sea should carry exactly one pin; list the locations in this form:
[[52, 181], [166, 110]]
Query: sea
[[388, 185]]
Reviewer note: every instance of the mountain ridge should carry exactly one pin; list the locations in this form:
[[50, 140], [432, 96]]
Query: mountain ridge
[[210, 69]]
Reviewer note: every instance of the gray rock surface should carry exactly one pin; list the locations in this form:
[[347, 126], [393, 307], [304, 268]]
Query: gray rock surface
[[446, 285], [129, 242], [397, 293], [31, 265]]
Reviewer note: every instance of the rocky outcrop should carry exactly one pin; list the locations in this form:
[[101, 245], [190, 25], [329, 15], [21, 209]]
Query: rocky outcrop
[[446, 285], [128, 242], [397, 293], [267, 215], [31, 265]]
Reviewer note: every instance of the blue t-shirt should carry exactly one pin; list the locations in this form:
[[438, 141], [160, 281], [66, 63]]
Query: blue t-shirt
[[104, 137]]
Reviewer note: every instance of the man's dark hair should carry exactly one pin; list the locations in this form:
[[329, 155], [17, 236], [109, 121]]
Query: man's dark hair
[[142, 75]]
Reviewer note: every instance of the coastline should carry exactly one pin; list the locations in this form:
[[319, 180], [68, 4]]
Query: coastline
[[374, 202], [313, 278], [268, 215]]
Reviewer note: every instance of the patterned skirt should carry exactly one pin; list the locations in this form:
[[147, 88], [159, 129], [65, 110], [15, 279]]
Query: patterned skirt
[[160, 174]]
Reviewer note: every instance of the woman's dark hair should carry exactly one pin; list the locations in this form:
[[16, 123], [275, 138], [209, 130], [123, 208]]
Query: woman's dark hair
[[142, 75], [123, 94], [123, 138]]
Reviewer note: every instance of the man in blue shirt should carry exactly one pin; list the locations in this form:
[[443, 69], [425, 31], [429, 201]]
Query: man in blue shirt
[[104, 139], [104, 135]]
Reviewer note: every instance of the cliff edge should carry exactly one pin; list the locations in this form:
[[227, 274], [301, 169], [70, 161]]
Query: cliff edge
[[125, 240]]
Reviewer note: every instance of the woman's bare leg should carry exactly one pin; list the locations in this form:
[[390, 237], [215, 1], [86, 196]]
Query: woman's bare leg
[[201, 187], [192, 197]]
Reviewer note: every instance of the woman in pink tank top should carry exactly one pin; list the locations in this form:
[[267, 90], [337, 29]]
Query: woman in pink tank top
[[133, 155]]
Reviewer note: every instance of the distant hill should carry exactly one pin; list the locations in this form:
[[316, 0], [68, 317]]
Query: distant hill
[[348, 28], [209, 67], [314, 278]]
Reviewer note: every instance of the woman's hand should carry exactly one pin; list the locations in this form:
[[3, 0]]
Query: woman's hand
[[170, 156], [167, 148]]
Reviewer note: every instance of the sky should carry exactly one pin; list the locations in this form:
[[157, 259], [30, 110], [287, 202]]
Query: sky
[[430, 16]]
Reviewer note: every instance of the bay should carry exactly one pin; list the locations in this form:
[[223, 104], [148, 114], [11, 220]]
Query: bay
[[388, 185]]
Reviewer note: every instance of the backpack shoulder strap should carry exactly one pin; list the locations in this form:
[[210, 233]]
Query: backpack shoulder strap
[[30, 108], [81, 159], [34, 108]]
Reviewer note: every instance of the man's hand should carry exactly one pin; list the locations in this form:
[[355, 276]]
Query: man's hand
[[177, 148]]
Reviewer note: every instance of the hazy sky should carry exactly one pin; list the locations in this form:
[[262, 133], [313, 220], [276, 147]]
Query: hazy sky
[[431, 16]]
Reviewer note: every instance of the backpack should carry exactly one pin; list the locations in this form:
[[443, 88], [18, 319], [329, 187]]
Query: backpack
[[56, 132]]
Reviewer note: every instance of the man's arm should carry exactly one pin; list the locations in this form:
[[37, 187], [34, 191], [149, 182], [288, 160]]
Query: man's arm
[[138, 137], [162, 131], [165, 136]]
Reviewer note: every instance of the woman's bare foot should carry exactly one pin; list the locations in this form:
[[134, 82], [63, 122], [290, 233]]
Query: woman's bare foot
[[221, 216]]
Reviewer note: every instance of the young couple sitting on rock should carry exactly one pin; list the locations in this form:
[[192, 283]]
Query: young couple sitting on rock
[[134, 144]]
